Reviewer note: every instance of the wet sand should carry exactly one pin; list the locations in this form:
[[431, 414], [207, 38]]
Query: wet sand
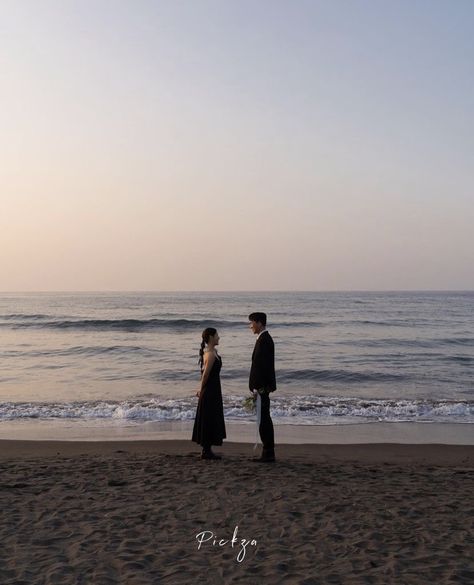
[[128, 512]]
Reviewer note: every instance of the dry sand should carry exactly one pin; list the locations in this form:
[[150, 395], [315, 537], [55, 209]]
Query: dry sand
[[98, 513]]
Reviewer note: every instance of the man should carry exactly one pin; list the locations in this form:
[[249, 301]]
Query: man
[[262, 381]]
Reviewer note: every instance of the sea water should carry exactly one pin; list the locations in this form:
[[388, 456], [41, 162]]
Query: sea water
[[341, 357]]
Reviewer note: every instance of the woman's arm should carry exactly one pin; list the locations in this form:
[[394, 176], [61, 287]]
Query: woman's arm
[[209, 359]]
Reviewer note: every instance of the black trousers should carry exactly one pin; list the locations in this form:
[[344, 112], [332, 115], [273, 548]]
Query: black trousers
[[266, 424]]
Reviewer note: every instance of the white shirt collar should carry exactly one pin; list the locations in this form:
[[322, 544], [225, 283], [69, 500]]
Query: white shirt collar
[[261, 333]]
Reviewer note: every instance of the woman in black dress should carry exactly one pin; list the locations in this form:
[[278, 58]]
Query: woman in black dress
[[209, 425]]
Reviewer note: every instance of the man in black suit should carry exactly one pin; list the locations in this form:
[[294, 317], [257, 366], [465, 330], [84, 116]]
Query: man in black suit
[[262, 380]]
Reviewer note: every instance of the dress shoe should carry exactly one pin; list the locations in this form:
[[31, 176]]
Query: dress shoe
[[209, 455]]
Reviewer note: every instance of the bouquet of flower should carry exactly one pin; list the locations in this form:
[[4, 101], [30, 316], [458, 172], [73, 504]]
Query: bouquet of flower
[[249, 404]]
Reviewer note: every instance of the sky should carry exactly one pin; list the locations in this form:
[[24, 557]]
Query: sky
[[236, 145]]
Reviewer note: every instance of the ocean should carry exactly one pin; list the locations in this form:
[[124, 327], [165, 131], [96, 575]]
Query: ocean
[[341, 357]]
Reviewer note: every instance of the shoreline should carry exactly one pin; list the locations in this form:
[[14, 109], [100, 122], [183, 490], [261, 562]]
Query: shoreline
[[364, 454], [119, 430]]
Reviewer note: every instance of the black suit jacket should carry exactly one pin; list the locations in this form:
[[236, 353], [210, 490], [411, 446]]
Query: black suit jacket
[[262, 372]]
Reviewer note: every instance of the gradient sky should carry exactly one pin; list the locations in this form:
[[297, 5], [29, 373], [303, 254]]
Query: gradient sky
[[236, 145]]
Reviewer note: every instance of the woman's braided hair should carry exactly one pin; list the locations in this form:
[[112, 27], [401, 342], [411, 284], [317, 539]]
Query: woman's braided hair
[[209, 332]]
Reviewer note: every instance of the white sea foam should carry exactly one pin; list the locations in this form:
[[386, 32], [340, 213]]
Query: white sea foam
[[285, 410]]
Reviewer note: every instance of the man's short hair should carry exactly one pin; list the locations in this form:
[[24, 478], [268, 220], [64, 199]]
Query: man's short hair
[[258, 318]]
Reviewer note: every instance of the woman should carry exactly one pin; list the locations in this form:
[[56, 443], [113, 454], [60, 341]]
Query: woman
[[209, 425]]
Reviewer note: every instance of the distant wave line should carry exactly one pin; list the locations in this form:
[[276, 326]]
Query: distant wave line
[[338, 375], [140, 324], [128, 324], [94, 350]]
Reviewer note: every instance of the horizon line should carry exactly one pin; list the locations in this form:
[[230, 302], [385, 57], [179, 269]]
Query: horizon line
[[154, 291]]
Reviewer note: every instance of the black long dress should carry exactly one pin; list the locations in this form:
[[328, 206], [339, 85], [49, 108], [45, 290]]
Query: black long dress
[[209, 425]]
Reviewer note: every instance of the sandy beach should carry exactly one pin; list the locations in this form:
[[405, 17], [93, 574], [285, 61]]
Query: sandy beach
[[134, 512]]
